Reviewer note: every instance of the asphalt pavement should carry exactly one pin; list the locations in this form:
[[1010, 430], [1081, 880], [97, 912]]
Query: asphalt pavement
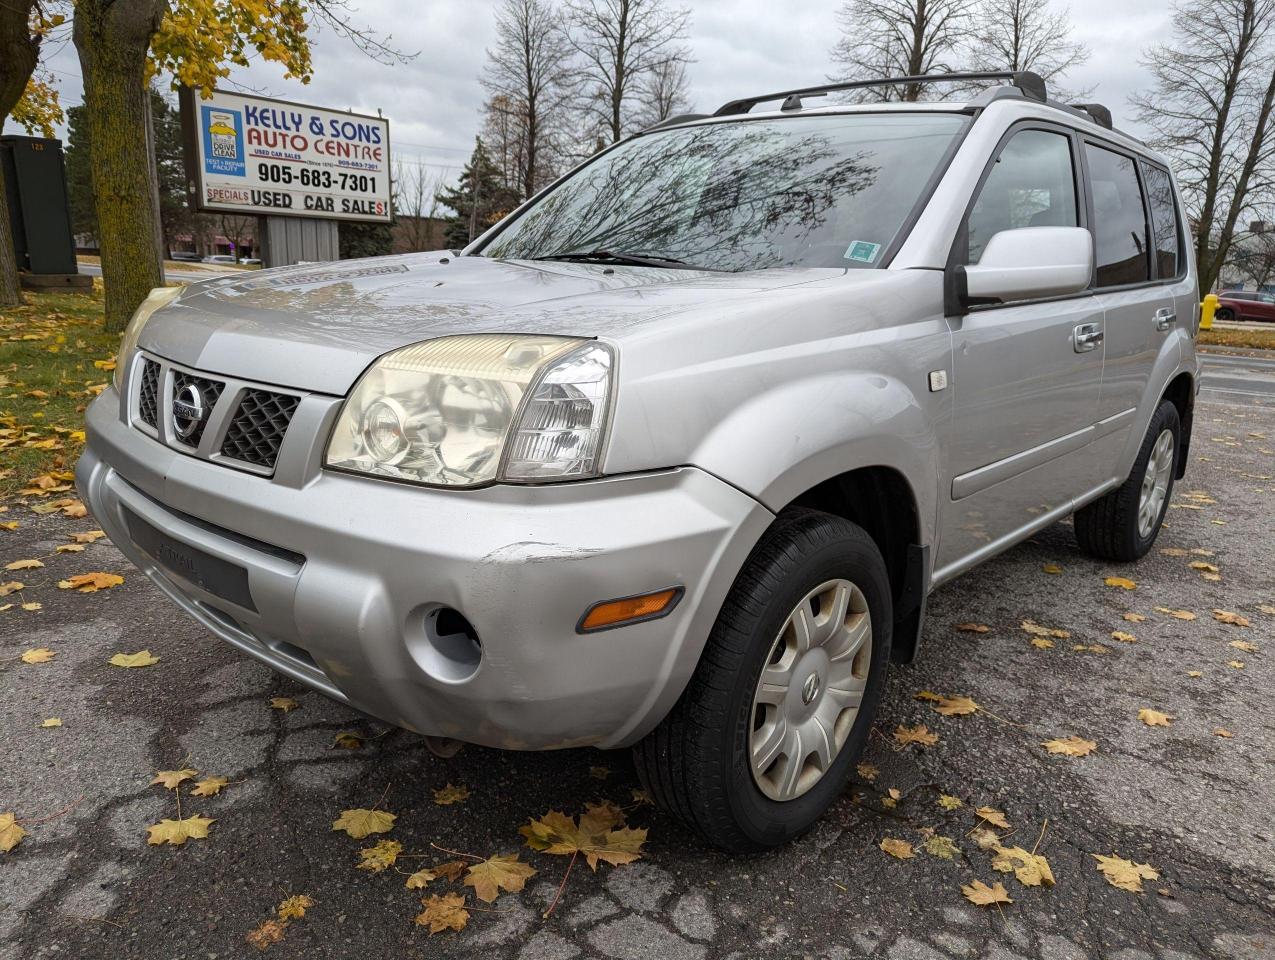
[[1196, 806]]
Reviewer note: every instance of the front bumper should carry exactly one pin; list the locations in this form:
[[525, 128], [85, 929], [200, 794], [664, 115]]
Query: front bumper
[[343, 572]]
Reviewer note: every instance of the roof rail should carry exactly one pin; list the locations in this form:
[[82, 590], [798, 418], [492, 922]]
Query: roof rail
[[1097, 113], [675, 120], [1031, 85]]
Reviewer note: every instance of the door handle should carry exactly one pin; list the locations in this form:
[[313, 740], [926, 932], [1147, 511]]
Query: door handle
[[1086, 336], [1165, 318]]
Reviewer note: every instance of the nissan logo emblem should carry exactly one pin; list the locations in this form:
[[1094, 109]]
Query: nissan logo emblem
[[188, 411]]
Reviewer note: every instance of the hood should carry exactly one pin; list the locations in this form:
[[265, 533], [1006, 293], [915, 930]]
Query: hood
[[317, 327]]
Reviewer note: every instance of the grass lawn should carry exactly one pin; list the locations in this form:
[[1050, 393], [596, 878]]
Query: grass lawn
[[54, 358], [1253, 339]]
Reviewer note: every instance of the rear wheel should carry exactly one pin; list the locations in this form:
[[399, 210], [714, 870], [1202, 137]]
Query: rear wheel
[[1225, 314], [1124, 524], [763, 739]]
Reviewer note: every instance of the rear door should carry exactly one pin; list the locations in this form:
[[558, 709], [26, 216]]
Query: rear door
[[1026, 389]]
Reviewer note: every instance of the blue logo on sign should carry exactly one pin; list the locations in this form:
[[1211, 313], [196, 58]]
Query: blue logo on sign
[[223, 141]]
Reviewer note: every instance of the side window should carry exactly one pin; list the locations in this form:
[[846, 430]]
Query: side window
[[1032, 184], [1164, 221], [1119, 219]]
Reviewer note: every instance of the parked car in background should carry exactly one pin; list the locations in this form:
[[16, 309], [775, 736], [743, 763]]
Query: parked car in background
[[672, 456], [186, 256], [1245, 305], [250, 261], [221, 258]]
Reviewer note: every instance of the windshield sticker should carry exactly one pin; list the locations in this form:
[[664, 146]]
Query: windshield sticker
[[863, 251]]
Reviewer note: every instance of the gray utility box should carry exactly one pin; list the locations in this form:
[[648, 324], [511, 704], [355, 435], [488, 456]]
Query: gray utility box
[[35, 189]]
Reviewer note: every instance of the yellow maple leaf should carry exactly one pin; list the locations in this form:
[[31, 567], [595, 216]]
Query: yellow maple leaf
[[294, 907], [982, 895], [1052, 568], [1154, 718], [919, 734], [955, 706], [24, 565], [347, 740], [1176, 614], [38, 655], [1225, 616], [1123, 583], [178, 832], [52, 722], [380, 857], [13, 586], [70, 548], [360, 823], [1123, 637], [498, 873], [171, 778], [283, 703], [11, 832], [1125, 874], [1071, 747], [1195, 674], [271, 931], [445, 796], [1222, 732], [900, 849], [1035, 629], [1042, 643], [1031, 869], [90, 536], [91, 582], [1244, 645], [593, 836], [972, 627], [130, 661], [949, 802], [993, 816], [944, 848], [1235, 664], [33, 606], [208, 787], [446, 912], [1133, 617]]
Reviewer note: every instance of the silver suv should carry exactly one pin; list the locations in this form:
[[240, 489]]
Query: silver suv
[[671, 457]]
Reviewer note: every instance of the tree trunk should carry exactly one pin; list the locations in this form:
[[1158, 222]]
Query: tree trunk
[[18, 54], [112, 39]]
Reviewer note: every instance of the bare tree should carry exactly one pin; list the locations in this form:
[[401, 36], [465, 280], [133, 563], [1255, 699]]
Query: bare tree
[[890, 38], [665, 92], [1027, 35], [526, 78], [1252, 256], [1210, 110], [416, 205], [618, 44]]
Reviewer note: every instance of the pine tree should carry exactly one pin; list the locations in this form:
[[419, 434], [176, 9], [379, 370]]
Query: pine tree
[[479, 198]]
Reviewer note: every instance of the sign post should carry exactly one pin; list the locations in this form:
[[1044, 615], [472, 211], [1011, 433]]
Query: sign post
[[300, 169]]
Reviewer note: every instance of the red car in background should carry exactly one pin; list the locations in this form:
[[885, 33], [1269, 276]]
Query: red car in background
[[1243, 305]]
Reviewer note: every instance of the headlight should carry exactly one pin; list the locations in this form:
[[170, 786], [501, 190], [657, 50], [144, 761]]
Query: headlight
[[128, 344], [466, 410]]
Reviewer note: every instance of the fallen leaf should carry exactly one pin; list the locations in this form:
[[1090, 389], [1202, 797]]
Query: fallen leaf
[[599, 773], [891, 800], [1154, 718], [949, 802], [283, 703], [70, 548], [1090, 648], [1042, 643], [450, 871], [1195, 674], [1035, 629], [982, 895], [208, 787], [381, 856], [956, 706], [142, 658], [920, 734], [11, 833], [498, 873], [270, 931], [1123, 637], [593, 836], [1176, 614], [867, 771], [1201, 565], [1222, 732], [1225, 616], [1244, 645], [973, 627], [1125, 874], [359, 823], [928, 695], [90, 536], [24, 565], [347, 740], [993, 816], [171, 778], [1073, 746], [91, 582], [1267, 609], [1235, 664], [443, 913], [13, 586], [178, 832], [1030, 869], [1052, 568], [1122, 582], [38, 655], [1133, 617], [897, 848], [942, 847], [445, 796], [52, 722], [294, 907]]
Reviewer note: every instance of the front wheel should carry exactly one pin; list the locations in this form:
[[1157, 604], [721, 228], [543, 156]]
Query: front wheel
[[1226, 315], [762, 741], [1123, 524]]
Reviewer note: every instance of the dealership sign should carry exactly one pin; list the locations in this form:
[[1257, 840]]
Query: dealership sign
[[252, 156]]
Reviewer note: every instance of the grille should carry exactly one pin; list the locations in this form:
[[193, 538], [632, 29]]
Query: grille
[[148, 394], [211, 390], [257, 430]]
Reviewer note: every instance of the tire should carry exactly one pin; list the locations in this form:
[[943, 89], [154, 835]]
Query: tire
[[697, 765], [1226, 315], [1113, 527]]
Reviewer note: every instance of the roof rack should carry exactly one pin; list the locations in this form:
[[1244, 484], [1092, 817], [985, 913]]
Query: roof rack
[[1097, 113], [675, 120], [1031, 85]]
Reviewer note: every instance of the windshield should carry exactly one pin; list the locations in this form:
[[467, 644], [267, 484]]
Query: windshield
[[814, 191]]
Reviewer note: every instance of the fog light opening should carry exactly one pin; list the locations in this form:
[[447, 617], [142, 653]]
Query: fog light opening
[[452, 650]]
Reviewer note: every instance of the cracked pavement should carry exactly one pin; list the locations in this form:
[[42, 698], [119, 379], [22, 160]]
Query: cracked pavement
[[1198, 807]]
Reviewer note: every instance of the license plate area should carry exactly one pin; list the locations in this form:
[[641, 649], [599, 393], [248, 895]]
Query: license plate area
[[221, 578]]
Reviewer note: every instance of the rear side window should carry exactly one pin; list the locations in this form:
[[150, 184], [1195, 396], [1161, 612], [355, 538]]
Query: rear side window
[[1119, 219], [1032, 184], [1164, 222]]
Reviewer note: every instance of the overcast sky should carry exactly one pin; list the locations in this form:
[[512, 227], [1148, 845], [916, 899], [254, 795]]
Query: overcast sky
[[739, 47]]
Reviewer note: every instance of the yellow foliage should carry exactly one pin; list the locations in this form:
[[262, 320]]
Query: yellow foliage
[[38, 110]]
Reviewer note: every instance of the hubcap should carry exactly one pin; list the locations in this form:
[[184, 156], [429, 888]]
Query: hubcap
[[810, 690], [1155, 483]]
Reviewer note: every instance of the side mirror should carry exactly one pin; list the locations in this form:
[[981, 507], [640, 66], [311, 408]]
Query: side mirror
[[1031, 262]]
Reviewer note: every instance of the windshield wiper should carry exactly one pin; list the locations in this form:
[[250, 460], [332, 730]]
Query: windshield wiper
[[629, 259]]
